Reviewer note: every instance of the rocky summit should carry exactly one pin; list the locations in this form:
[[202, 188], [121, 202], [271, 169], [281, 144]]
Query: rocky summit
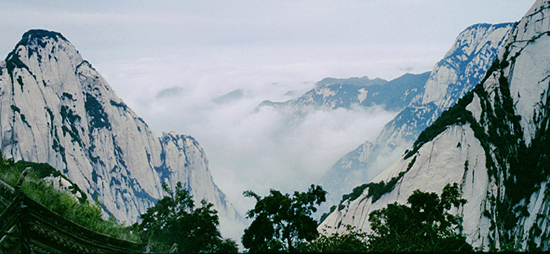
[[56, 108]]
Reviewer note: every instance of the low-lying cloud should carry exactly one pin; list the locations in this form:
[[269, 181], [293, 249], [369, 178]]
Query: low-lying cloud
[[249, 148], [169, 61]]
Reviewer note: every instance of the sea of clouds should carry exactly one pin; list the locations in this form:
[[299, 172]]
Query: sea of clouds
[[248, 147]]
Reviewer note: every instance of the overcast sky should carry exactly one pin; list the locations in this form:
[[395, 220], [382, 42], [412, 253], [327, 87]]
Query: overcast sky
[[168, 59], [338, 38]]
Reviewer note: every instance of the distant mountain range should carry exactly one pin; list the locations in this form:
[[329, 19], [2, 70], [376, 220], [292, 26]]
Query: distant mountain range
[[458, 72], [419, 99], [331, 94]]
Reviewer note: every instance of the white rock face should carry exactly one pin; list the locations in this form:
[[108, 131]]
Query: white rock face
[[494, 143], [463, 67], [423, 170], [56, 108]]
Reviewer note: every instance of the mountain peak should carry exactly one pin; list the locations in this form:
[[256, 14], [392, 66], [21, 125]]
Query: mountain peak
[[39, 46], [57, 109], [39, 36]]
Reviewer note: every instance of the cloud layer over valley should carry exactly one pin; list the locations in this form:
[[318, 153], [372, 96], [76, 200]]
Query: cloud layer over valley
[[169, 62], [249, 147]]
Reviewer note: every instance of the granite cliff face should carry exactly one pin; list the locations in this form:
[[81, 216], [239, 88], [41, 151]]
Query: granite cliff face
[[493, 142], [56, 108], [464, 65]]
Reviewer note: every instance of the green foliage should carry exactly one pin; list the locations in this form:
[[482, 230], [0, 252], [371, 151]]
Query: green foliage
[[325, 215], [353, 241], [522, 167], [80, 211], [40, 170], [43, 170], [174, 224], [281, 222], [424, 224], [356, 192], [83, 213], [375, 190], [454, 115]]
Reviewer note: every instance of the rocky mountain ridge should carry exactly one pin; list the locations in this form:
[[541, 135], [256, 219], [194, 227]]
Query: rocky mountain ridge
[[331, 94], [493, 143], [463, 66]]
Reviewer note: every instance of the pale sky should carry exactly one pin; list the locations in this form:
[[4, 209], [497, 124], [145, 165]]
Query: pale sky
[[347, 36], [200, 50]]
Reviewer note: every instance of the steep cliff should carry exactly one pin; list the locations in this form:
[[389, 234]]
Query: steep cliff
[[493, 142], [464, 65], [56, 108]]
